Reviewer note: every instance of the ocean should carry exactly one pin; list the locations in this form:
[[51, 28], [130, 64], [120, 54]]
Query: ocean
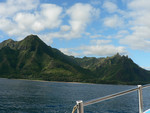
[[26, 96]]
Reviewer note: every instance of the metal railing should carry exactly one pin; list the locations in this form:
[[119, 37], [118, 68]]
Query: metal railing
[[80, 104]]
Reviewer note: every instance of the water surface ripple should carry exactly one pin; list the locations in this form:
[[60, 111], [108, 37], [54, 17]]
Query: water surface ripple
[[24, 96]]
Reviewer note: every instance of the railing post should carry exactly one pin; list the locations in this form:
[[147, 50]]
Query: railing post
[[140, 99], [80, 107]]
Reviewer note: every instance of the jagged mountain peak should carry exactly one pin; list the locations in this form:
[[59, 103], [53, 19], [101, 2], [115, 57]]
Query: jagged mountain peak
[[31, 37], [8, 43], [117, 55], [30, 41], [9, 40], [5, 42], [27, 42]]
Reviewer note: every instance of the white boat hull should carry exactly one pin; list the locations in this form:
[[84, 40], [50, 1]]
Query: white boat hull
[[147, 111]]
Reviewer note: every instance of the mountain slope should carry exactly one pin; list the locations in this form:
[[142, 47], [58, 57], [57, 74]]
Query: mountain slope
[[8, 59], [31, 58], [115, 69]]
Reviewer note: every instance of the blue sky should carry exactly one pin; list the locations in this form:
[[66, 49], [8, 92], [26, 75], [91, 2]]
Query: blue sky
[[80, 28]]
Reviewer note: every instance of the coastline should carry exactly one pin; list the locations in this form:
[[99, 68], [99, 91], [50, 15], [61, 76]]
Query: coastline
[[51, 81], [67, 82]]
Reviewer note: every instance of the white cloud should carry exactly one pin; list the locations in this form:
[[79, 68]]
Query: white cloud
[[6, 24], [87, 33], [95, 2], [69, 51], [97, 48], [10, 7], [104, 50], [110, 6], [79, 19], [65, 28], [139, 37], [100, 42], [114, 21], [96, 36], [24, 21], [51, 14], [46, 38], [81, 15], [139, 5], [48, 17], [31, 21], [23, 17], [123, 32]]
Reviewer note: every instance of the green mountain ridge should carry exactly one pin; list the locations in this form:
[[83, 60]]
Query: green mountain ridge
[[31, 58], [116, 69]]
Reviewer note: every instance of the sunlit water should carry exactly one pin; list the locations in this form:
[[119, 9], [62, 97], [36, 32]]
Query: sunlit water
[[23, 96]]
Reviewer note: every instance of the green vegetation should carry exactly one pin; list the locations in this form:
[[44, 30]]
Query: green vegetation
[[116, 69], [31, 58]]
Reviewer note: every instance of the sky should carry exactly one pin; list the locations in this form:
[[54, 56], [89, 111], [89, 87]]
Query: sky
[[93, 28]]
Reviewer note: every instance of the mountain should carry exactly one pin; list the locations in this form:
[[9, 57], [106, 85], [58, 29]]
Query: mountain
[[31, 58], [115, 69]]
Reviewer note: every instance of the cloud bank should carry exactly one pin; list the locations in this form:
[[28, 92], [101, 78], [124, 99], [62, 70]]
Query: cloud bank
[[107, 27]]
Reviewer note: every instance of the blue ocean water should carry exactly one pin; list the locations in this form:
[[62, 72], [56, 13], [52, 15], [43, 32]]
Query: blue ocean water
[[24, 96]]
